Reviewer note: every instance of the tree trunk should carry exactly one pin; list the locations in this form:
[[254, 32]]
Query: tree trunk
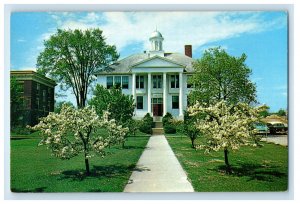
[[228, 169], [226, 157], [193, 142], [86, 160], [82, 99], [87, 166]]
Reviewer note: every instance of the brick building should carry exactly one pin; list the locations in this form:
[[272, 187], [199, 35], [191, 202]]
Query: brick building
[[37, 92]]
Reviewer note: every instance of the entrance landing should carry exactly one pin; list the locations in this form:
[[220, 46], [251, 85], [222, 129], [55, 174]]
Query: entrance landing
[[158, 170], [158, 129]]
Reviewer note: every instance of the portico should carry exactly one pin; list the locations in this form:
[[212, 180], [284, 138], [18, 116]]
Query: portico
[[158, 88]]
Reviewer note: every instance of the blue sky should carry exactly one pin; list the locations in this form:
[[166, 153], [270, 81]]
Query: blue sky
[[262, 36]]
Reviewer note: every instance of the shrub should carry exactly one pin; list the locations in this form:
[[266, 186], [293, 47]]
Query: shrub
[[179, 125], [147, 124], [169, 126], [133, 126], [167, 118], [20, 130]]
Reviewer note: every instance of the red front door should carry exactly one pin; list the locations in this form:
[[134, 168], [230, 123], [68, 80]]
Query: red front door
[[157, 109]]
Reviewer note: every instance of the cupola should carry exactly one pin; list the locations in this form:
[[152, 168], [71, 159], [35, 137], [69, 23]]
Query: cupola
[[156, 40]]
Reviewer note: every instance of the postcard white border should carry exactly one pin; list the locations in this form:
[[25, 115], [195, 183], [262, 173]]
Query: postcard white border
[[148, 196]]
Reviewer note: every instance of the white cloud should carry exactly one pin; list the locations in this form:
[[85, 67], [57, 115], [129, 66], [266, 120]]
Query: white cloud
[[24, 68], [178, 28], [71, 24]]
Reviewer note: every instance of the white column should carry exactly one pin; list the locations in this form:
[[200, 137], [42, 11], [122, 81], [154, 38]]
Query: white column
[[149, 93], [165, 93], [133, 87], [180, 95]]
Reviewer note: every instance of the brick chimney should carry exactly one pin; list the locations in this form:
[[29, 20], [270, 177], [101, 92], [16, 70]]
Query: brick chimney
[[188, 50]]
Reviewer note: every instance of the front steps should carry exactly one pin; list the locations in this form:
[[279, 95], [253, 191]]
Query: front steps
[[158, 129]]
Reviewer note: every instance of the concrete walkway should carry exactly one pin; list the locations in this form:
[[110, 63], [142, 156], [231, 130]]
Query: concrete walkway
[[158, 170]]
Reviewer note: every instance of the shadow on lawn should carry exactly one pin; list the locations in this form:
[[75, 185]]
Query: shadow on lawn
[[108, 171], [254, 171], [132, 147], [35, 190], [22, 138]]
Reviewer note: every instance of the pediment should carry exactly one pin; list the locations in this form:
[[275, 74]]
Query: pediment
[[158, 62]]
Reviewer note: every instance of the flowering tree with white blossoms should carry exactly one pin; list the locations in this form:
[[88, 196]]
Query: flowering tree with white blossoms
[[74, 131], [226, 127]]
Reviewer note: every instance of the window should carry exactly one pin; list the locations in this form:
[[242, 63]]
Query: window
[[27, 103], [49, 105], [20, 87], [38, 103], [175, 102], [156, 45], [154, 82], [157, 81], [189, 84], [38, 86], [139, 82], [174, 81], [117, 81], [157, 101], [139, 102], [125, 82], [44, 96], [109, 82]]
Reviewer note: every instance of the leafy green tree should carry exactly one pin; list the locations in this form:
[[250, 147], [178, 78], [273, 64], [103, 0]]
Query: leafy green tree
[[226, 127], [219, 76], [16, 102], [58, 105], [72, 132], [120, 106], [72, 57], [189, 128], [281, 112], [265, 112]]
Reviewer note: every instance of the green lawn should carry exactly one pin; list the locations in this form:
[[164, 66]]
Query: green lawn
[[254, 169], [33, 169]]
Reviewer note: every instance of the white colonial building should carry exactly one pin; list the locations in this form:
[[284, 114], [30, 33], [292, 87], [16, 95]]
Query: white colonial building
[[157, 80]]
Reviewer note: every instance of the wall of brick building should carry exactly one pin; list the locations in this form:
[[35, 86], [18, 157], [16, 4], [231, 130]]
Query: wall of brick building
[[36, 104]]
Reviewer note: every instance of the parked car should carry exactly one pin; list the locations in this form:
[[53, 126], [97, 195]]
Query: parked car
[[262, 128], [277, 127]]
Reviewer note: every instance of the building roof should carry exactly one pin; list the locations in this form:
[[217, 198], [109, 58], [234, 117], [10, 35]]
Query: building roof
[[124, 65], [32, 75], [156, 34], [275, 119]]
